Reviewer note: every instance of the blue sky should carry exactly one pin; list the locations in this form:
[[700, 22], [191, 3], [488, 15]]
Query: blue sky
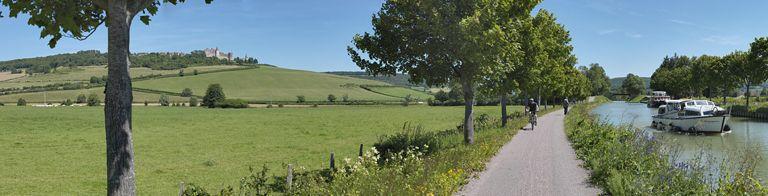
[[623, 36]]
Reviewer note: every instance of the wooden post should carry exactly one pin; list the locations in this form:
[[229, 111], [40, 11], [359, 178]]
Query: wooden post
[[289, 178], [360, 154], [333, 163], [181, 189]]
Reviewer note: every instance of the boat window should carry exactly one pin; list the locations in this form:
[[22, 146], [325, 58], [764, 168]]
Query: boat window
[[701, 103], [692, 113], [708, 113], [662, 110]]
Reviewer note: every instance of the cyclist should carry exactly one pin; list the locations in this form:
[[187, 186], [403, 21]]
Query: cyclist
[[565, 105], [532, 107]]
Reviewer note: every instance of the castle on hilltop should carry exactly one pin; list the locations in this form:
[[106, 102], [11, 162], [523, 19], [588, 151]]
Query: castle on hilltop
[[214, 52]]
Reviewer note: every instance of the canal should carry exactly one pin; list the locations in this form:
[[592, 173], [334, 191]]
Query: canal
[[746, 133]]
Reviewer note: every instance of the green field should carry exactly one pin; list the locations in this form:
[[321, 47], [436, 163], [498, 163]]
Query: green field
[[59, 96], [61, 150], [83, 74], [272, 84], [397, 91]]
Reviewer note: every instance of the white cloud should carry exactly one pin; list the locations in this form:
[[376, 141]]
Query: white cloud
[[634, 35], [682, 22], [723, 40], [607, 31]]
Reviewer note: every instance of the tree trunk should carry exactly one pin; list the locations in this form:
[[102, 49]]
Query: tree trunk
[[748, 94], [469, 119], [117, 111], [503, 102]]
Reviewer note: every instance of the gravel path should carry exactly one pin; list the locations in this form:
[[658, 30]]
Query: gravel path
[[537, 162]]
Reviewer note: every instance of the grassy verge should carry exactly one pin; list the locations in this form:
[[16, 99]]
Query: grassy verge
[[408, 163], [627, 161]]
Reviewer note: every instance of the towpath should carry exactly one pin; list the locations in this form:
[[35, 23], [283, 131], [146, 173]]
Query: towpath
[[535, 162]]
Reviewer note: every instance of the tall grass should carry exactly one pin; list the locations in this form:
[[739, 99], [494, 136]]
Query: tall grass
[[627, 161]]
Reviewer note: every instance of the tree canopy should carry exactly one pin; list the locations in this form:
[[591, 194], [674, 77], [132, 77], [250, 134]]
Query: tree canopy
[[633, 85]]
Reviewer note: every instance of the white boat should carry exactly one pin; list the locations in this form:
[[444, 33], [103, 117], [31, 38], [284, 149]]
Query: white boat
[[699, 116]]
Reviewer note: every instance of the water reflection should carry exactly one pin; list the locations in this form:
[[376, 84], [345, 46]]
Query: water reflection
[[746, 132]]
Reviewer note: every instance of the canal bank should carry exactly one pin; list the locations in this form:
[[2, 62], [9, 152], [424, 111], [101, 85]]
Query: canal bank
[[627, 160], [747, 132]]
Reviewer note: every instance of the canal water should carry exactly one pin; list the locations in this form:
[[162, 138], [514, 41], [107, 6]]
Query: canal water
[[746, 133]]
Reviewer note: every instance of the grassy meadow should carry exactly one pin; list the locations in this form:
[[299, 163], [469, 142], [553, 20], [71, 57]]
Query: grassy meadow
[[61, 150], [60, 96], [273, 84], [400, 92]]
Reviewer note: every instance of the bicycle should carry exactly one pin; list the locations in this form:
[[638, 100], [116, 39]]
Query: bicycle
[[533, 120]]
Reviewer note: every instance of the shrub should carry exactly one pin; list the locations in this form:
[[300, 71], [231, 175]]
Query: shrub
[[164, 100], [300, 99], [314, 105], [269, 105], [407, 100], [331, 98], [95, 80], [181, 73], [441, 96], [67, 102], [2, 104], [213, 95], [412, 137], [280, 105], [93, 100], [81, 98], [194, 72], [232, 103], [186, 92], [192, 102], [345, 98]]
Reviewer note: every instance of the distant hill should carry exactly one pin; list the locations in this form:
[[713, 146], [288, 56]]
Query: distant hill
[[616, 82], [398, 80]]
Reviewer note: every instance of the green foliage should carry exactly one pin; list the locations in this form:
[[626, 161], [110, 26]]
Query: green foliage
[[345, 98], [600, 82], [21, 102], [146, 103], [441, 96], [164, 100], [331, 98], [410, 138], [633, 85], [187, 92], [300, 99], [194, 72], [67, 102], [213, 95], [181, 73], [231, 103], [81, 98], [193, 102], [93, 100], [407, 100]]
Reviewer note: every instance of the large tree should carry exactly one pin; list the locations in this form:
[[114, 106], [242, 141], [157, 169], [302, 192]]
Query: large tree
[[438, 41], [600, 82], [79, 19], [757, 65], [674, 76], [633, 85]]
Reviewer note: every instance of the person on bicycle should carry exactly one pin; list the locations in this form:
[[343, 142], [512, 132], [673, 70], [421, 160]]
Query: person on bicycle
[[532, 106], [565, 105]]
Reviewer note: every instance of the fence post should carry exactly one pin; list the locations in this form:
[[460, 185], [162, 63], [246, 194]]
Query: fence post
[[333, 163], [289, 178], [181, 189], [360, 154]]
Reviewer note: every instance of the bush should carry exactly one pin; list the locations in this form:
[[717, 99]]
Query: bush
[[95, 80], [67, 102], [345, 98], [93, 100], [186, 92], [194, 72], [331, 98], [81, 98], [2, 104], [269, 105], [441, 96], [412, 137], [192, 102], [181, 73], [213, 95], [300, 99], [164, 100], [280, 105], [232, 103], [407, 100]]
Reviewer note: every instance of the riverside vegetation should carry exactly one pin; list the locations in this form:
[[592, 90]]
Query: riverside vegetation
[[628, 161]]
